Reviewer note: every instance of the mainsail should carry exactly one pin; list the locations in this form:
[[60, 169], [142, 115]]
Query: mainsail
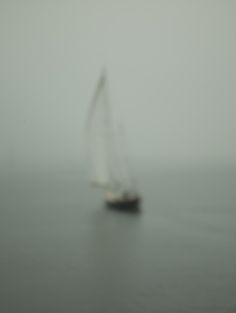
[[109, 168]]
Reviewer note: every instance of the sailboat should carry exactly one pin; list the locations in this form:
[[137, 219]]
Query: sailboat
[[107, 159]]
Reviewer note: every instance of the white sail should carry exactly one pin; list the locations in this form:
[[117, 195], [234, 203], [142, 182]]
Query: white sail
[[107, 159]]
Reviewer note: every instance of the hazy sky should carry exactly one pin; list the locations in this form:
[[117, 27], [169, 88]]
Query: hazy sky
[[171, 66]]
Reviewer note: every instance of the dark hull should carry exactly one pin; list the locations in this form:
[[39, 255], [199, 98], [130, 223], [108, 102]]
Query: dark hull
[[125, 204]]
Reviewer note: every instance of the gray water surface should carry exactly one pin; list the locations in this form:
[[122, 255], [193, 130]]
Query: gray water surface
[[62, 251]]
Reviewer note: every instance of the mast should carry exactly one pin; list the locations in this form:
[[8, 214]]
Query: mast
[[109, 166]]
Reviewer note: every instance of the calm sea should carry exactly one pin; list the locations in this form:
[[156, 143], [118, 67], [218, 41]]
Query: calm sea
[[62, 251]]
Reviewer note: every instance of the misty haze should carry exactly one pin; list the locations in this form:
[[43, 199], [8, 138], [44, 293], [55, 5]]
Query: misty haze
[[172, 74]]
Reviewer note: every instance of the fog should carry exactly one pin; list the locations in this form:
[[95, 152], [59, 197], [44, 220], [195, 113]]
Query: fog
[[171, 67]]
